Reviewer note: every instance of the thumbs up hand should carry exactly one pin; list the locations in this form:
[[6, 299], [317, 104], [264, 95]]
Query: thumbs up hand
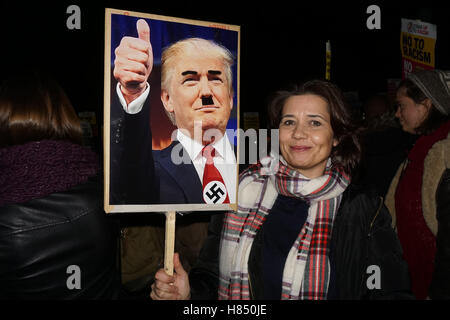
[[134, 62]]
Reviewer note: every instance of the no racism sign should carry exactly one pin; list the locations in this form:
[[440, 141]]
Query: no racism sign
[[417, 43]]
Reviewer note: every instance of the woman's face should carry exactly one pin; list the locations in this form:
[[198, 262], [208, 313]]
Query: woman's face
[[306, 136], [410, 113]]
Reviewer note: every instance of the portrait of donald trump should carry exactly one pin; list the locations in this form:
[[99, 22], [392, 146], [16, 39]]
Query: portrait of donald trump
[[173, 114]]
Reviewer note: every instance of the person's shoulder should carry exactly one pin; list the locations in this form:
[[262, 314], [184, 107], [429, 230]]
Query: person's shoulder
[[55, 209], [83, 198], [436, 161], [359, 204], [359, 192], [440, 151]]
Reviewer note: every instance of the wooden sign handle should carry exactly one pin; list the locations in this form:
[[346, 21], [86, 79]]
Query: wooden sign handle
[[169, 242]]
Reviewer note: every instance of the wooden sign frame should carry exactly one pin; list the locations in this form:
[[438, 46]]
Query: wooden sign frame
[[174, 23]]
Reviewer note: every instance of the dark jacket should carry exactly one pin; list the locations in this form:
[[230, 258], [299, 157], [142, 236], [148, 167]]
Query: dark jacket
[[440, 285], [383, 151], [46, 243], [362, 237]]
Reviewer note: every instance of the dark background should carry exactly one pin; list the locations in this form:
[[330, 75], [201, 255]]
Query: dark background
[[281, 42]]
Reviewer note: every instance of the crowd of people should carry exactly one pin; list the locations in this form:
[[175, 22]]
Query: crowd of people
[[311, 223]]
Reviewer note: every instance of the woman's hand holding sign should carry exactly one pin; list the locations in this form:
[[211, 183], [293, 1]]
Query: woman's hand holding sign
[[171, 287]]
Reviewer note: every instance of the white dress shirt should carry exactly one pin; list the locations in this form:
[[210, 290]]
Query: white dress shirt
[[224, 160], [136, 105]]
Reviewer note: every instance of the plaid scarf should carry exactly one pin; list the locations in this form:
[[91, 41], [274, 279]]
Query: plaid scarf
[[306, 271]]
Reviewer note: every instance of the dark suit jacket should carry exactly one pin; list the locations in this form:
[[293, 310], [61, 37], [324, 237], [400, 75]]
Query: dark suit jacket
[[177, 183]]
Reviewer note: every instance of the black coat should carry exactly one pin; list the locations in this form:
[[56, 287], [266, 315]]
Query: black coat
[[40, 239], [440, 284], [362, 237], [383, 152]]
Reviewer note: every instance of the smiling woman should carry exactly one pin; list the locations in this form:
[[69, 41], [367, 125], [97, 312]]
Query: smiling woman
[[306, 136], [301, 229], [315, 115], [293, 236]]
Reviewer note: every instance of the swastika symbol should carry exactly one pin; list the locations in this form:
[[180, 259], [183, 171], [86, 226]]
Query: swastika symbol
[[214, 192]]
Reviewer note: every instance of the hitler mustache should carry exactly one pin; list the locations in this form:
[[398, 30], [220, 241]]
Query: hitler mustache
[[207, 101]]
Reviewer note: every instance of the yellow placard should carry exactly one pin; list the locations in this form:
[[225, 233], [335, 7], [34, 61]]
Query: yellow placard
[[418, 49]]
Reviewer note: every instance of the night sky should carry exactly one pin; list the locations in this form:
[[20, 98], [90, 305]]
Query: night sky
[[281, 42]]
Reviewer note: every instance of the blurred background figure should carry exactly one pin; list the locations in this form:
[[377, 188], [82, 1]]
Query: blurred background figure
[[384, 145], [418, 197], [375, 107], [55, 239]]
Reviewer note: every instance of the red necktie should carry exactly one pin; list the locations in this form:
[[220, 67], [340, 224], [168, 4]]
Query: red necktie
[[214, 190]]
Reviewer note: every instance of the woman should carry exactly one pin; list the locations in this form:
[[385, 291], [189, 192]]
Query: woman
[[300, 231], [418, 195], [55, 240]]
